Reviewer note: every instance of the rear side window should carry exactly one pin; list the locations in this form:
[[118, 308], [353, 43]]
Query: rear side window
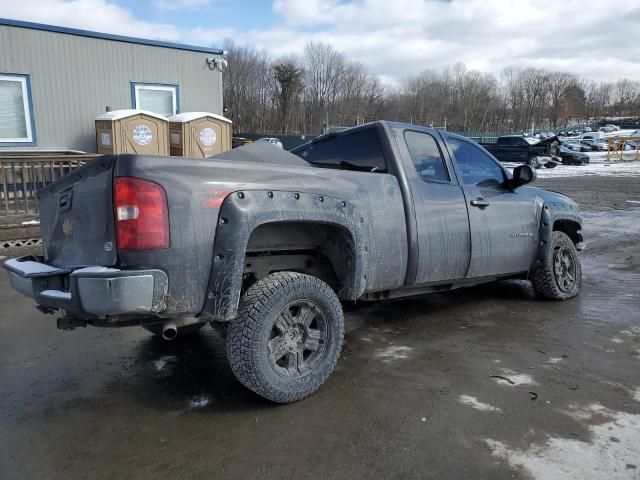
[[426, 156], [359, 151]]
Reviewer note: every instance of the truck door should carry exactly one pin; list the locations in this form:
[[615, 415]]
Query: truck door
[[444, 244], [504, 223]]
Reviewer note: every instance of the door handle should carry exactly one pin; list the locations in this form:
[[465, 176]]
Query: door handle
[[479, 202], [65, 201]]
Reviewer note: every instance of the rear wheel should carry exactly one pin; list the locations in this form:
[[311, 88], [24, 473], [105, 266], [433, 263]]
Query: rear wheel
[[560, 277], [287, 337]]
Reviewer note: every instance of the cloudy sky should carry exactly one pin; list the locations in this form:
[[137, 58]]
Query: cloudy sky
[[598, 39]]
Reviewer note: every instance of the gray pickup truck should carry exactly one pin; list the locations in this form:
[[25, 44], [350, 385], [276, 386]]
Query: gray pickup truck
[[268, 244]]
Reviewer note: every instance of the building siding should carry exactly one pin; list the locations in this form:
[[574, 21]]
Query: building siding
[[74, 78]]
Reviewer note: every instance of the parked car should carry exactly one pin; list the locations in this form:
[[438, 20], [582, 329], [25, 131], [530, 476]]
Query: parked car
[[273, 141], [626, 145], [239, 141], [528, 150], [576, 146], [571, 157], [595, 145], [593, 136], [268, 245]]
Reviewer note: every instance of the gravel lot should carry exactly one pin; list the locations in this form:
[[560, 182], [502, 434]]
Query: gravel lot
[[480, 383]]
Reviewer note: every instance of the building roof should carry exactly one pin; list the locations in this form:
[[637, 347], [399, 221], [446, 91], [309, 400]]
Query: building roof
[[119, 114], [188, 116], [107, 36]]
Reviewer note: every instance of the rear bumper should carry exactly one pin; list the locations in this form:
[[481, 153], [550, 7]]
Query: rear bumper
[[89, 292]]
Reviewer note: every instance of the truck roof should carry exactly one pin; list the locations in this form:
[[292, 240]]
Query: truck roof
[[347, 131]]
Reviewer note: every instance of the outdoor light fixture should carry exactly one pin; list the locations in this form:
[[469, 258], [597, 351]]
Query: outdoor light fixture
[[217, 63]]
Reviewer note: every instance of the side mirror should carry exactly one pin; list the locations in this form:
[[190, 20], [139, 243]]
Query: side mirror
[[522, 175]]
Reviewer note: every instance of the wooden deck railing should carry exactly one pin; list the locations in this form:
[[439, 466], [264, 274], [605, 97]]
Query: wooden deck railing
[[22, 175]]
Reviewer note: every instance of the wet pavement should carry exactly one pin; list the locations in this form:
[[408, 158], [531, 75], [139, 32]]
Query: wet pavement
[[486, 382]]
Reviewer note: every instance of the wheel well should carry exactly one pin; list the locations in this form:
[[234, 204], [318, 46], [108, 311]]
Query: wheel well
[[323, 250], [571, 228]]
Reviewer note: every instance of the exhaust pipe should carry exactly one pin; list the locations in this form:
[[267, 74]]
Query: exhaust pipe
[[169, 331], [170, 327]]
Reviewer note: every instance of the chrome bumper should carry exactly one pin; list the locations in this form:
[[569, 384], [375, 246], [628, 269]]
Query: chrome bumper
[[89, 291]]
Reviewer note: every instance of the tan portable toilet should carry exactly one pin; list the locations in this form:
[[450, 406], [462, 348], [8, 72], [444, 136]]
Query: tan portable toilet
[[132, 131], [199, 134]]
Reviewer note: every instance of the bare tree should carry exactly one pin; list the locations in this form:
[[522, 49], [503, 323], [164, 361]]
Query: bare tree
[[560, 85], [324, 67], [323, 87]]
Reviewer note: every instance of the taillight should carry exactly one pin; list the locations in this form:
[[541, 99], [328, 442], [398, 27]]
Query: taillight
[[142, 216]]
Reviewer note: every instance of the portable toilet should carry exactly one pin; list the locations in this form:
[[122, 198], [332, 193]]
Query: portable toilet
[[132, 131], [199, 134]]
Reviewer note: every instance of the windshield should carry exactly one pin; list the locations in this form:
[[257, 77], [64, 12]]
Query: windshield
[[532, 141]]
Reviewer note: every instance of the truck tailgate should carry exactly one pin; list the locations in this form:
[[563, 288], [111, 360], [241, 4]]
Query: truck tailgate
[[76, 217]]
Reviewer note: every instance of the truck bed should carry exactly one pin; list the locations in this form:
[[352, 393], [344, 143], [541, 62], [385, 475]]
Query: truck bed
[[78, 219]]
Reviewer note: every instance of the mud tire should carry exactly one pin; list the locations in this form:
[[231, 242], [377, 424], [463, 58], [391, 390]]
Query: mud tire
[[250, 337], [546, 283]]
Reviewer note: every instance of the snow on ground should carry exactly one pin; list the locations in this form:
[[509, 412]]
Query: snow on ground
[[609, 169], [473, 402], [598, 165], [608, 452], [393, 352]]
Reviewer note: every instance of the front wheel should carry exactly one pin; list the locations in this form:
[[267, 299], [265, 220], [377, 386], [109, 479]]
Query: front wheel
[[287, 337], [560, 276]]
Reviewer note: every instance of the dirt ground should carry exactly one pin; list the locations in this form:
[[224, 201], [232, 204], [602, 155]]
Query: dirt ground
[[483, 383]]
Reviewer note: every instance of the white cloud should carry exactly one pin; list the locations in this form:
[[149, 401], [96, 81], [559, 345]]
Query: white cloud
[[180, 4], [97, 15], [594, 39]]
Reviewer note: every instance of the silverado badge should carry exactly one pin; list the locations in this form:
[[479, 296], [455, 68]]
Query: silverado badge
[[67, 227]]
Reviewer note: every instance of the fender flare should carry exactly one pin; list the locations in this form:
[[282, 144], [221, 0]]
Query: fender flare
[[243, 211], [551, 213]]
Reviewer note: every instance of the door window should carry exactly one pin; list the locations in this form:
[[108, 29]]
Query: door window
[[476, 167], [426, 156]]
